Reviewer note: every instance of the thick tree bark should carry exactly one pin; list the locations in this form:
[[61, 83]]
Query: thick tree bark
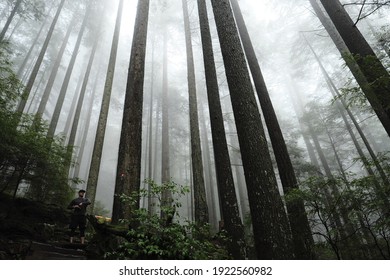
[[201, 210], [97, 151], [225, 183], [371, 67], [300, 228], [130, 146], [270, 224]]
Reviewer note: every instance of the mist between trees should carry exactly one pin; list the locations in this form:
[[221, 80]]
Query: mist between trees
[[275, 114]]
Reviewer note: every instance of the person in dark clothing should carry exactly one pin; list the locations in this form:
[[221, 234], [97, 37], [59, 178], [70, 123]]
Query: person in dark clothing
[[78, 219]]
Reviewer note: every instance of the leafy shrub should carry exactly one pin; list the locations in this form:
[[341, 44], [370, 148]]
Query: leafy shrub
[[155, 236]]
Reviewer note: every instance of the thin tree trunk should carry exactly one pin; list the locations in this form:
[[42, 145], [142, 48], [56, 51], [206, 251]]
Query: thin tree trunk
[[4, 10], [80, 155], [69, 70], [333, 89], [30, 106], [156, 141], [165, 157], [34, 73], [201, 209], [76, 119], [93, 174], [130, 146], [27, 57], [9, 20], [145, 156], [150, 142], [70, 118], [56, 67], [15, 28], [329, 195], [298, 112], [212, 198], [369, 64]]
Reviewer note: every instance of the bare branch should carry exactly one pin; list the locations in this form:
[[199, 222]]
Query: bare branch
[[360, 12]]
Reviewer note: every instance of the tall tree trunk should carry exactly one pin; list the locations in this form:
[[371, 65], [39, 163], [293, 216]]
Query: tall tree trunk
[[9, 20], [144, 169], [70, 118], [354, 241], [334, 91], [156, 170], [69, 70], [87, 122], [129, 157], [270, 224], [298, 112], [5, 10], [331, 191], [15, 28], [33, 45], [30, 107], [93, 174], [56, 67], [212, 198], [300, 228], [369, 64], [225, 183], [201, 210], [34, 73], [165, 157], [80, 102], [150, 142]]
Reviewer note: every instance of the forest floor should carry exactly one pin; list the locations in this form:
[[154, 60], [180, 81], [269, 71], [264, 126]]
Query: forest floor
[[35, 231]]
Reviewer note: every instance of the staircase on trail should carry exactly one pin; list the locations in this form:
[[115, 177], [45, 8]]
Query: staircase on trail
[[56, 251]]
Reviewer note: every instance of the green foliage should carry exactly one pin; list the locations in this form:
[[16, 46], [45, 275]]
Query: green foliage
[[354, 94], [364, 198], [152, 236], [30, 163]]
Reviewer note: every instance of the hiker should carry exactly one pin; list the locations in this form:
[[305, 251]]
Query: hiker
[[78, 219]]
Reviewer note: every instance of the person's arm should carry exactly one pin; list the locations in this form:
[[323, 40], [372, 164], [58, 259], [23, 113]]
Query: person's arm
[[71, 205], [86, 202]]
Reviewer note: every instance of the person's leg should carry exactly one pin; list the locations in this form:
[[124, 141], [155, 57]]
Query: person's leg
[[72, 227], [82, 226]]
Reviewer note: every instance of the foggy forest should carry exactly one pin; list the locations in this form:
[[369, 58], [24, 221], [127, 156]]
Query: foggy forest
[[222, 129]]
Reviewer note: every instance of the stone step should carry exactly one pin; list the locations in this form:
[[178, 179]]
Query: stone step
[[55, 251]]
